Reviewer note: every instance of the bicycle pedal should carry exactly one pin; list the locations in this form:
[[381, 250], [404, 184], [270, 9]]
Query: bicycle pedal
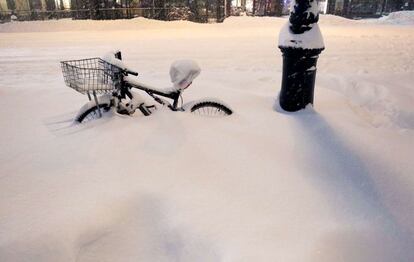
[[123, 111]]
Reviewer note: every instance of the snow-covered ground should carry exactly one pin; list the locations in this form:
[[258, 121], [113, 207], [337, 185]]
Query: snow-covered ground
[[333, 183]]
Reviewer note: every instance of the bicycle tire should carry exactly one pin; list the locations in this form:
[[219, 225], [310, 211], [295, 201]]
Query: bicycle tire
[[92, 113], [210, 108]]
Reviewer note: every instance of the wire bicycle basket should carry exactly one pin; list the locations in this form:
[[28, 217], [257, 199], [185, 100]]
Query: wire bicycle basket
[[91, 75]]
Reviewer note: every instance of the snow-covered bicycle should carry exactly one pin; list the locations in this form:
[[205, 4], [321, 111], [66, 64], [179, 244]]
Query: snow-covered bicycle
[[109, 78]]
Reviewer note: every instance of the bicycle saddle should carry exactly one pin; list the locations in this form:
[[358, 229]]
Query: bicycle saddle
[[183, 72]]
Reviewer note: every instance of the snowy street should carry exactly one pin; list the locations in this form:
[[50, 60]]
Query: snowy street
[[330, 183]]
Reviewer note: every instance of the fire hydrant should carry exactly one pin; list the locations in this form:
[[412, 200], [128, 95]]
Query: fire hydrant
[[301, 42]]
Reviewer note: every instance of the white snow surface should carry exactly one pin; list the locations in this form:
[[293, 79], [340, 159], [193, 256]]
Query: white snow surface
[[330, 183]]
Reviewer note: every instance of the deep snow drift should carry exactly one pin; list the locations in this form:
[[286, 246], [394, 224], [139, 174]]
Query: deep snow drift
[[333, 183]]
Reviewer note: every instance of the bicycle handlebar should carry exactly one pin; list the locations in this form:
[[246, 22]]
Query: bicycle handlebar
[[131, 72]]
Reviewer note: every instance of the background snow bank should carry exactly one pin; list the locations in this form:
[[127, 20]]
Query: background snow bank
[[330, 184], [398, 18], [89, 25]]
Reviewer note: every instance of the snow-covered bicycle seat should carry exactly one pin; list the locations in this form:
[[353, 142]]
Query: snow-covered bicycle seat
[[183, 72]]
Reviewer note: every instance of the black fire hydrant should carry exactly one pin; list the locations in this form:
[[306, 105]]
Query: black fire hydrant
[[301, 42]]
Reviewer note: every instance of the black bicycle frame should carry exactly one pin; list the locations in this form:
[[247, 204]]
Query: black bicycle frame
[[126, 86], [175, 96]]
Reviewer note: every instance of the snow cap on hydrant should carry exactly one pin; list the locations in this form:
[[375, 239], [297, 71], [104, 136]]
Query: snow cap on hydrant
[[302, 29]]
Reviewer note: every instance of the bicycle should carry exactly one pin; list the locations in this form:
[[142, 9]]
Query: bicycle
[[111, 79]]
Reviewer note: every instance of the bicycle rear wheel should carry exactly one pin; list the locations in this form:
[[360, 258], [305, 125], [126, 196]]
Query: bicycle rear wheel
[[210, 108]]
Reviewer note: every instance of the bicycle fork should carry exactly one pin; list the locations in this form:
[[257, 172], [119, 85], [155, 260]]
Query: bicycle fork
[[95, 98]]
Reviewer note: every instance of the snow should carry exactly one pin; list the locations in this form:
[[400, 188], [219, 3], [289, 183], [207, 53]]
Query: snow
[[65, 25], [398, 18], [330, 183]]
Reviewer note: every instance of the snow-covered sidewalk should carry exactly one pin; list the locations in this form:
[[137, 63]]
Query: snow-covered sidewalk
[[333, 183]]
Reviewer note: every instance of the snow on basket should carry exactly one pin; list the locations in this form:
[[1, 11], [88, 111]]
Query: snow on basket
[[183, 72], [91, 75]]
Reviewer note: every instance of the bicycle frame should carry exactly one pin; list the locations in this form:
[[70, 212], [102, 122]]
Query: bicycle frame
[[125, 87], [175, 95]]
